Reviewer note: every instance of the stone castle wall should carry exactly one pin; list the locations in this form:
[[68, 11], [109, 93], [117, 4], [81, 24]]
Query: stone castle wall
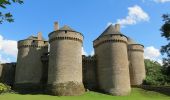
[[7, 73], [90, 72], [63, 71]]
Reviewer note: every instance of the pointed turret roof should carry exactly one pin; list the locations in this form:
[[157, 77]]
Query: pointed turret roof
[[32, 37], [66, 28], [111, 29], [131, 41]]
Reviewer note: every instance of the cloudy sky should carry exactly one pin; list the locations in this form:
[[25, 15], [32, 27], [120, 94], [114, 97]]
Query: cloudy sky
[[140, 20]]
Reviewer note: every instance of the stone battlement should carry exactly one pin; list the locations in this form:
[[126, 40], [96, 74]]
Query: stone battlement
[[136, 47], [32, 43], [88, 59], [66, 38], [62, 35], [110, 38]]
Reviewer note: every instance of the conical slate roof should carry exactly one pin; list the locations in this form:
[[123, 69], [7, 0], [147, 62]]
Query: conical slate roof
[[66, 28], [32, 37], [110, 30], [131, 41]]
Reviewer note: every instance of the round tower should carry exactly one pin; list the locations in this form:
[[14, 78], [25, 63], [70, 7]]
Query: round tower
[[136, 59], [65, 62], [112, 61], [29, 66]]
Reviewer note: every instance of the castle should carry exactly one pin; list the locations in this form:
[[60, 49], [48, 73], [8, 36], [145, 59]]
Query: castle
[[59, 67]]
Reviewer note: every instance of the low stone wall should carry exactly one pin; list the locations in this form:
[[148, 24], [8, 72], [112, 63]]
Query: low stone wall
[[29, 88], [161, 89], [7, 74]]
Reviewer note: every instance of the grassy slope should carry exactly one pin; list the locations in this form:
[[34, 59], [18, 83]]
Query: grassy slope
[[137, 94]]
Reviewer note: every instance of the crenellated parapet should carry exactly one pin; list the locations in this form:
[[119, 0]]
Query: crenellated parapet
[[88, 59], [110, 38], [32, 43], [136, 47], [66, 38], [65, 35]]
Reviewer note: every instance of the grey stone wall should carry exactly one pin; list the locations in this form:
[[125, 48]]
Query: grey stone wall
[[1, 72], [90, 73], [136, 66], [65, 63]]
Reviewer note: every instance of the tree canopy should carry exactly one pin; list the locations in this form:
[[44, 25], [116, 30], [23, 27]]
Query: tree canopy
[[165, 50], [7, 16], [154, 73]]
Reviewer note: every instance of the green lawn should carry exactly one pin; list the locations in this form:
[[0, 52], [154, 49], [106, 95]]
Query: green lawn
[[137, 94]]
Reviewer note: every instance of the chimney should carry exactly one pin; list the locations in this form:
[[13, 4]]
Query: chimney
[[117, 27], [39, 36], [56, 26]]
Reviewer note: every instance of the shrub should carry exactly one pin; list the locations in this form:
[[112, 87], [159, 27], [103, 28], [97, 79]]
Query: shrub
[[4, 88]]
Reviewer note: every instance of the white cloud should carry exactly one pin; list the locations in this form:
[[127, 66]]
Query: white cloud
[[92, 53], [153, 54], [135, 15], [8, 47], [4, 60], [161, 1], [83, 51], [157, 1]]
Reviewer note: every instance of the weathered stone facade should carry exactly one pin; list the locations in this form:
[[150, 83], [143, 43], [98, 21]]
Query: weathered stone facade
[[29, 66], [136, 62], [112, 60], [65, 62], [117, 63]]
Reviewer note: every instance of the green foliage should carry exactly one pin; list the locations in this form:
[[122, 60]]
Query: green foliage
[[7, 16], [154, 73], [4, 88], [165, 50], [166, 27]]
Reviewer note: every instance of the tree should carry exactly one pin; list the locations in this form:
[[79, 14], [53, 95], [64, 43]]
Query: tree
[[154, 75], [165, 50], [7, 16]]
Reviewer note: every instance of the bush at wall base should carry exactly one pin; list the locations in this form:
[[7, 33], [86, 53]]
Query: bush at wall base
[[4, 88]]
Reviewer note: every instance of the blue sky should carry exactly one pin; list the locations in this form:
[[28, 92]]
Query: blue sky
[[89, 17]]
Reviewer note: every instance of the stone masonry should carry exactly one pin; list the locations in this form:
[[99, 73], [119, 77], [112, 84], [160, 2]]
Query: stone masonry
[[58, 67]]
